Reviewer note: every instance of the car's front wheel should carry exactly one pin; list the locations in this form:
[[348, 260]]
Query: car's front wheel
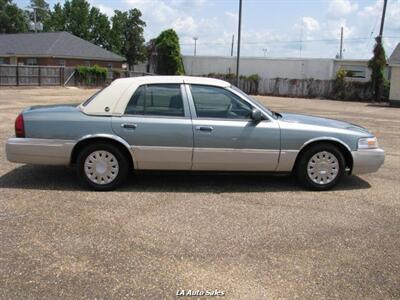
[[320, 167], [102, 167]]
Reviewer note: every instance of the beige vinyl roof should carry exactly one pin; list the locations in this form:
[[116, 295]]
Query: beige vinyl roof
[[114, 98]]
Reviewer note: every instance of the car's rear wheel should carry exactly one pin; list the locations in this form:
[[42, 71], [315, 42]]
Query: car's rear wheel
[[320, 167], [102, 167]]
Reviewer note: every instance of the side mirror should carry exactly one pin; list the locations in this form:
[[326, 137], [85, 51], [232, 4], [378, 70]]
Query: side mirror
[[256, 115]]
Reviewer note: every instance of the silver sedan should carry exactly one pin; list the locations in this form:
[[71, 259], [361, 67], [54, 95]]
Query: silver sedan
[[188, 123]]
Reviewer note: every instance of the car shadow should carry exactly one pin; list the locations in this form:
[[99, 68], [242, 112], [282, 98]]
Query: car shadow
[[379, 104], [64, 179]]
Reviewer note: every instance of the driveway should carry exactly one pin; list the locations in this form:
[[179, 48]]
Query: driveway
[[250, 236]]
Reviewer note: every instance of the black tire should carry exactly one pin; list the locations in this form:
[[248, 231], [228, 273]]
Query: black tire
[[302, 172], [123, 166]]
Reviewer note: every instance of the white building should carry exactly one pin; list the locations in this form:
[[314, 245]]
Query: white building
[[302, 77], [269, 68], [394, 64]]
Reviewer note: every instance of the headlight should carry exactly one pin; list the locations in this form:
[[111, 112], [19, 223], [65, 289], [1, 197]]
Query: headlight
[[368, 143]]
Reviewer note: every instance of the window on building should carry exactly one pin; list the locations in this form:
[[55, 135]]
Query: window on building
[[354, 71], [110, 66], [216, 102], [87, 63], [156, 100], [61, 62], [31, 61], [2, 61]]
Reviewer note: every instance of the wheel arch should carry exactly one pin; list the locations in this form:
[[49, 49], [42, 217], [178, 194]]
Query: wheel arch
[[343, 147], [108, 138]]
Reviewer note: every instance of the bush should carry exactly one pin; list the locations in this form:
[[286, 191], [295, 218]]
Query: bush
[[377, 65], [339, 85], [95, 75]]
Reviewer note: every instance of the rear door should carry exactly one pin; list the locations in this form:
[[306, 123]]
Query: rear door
[[225, 136], [157, 125]]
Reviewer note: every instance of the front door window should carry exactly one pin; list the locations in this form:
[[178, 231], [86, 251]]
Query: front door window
[[216, 102]]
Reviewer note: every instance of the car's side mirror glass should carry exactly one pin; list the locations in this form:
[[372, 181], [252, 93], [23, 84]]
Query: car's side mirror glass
[[256, 115]]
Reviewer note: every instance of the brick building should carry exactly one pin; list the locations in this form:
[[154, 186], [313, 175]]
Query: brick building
[[54, 49]]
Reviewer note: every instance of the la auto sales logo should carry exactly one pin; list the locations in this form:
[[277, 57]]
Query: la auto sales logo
[[191, 293]]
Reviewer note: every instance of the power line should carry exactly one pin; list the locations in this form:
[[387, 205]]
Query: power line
[[291, 41]]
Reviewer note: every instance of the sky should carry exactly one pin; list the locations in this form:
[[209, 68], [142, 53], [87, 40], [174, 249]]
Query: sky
[[271, 28]]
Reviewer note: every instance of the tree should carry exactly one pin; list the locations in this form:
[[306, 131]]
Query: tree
[[169, 60], [377, 64], [99, 28], [56, 21], [76, 14], [134, 49], [127, 36], [12, 19], [118, 21]]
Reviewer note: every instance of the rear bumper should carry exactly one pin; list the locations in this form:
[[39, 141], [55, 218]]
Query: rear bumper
[[367, 161], [39, 151]]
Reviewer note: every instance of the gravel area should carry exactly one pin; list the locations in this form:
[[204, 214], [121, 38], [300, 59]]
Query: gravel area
[[250, 236]]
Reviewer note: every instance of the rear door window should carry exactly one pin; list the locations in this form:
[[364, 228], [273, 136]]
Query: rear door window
[[156, 100]]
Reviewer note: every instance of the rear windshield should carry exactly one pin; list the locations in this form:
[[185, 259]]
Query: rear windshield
[[87, 101]]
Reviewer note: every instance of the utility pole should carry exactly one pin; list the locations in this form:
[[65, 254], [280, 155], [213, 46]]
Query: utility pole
[[195, 44], [379, 93], [233, 41], [34, 18], [341, 43], [265, 51], [382, 20], [238, 44]]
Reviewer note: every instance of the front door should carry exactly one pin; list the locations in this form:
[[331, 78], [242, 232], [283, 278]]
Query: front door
[[158, 127], [225, 136]]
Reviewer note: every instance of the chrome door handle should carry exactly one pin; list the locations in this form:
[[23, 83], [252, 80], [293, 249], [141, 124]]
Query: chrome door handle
[[129, 126], [204, 128]]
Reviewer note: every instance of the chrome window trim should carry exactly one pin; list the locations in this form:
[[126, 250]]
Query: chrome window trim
[[151, 116]]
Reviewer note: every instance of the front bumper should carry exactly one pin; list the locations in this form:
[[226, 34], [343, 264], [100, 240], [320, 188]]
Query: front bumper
[[367, 161], [39, 151]]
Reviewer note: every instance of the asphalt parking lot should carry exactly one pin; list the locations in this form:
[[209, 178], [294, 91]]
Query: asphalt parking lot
[[254, 237]]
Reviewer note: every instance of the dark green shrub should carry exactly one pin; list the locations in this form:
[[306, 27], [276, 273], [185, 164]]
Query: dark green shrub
[[95, 75], [169, 60]]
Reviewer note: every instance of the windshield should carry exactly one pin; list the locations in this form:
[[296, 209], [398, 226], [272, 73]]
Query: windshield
[[251, 99]]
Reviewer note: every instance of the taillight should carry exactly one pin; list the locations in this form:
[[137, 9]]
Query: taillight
[[19, 126]]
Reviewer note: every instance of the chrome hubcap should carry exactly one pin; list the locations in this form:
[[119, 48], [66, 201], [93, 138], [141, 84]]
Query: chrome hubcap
[[323, 167], [101, 167]]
